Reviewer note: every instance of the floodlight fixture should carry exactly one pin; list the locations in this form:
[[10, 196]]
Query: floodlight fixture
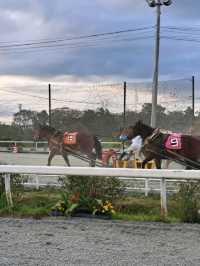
[[151, 3], [154, 3], [167, 2]]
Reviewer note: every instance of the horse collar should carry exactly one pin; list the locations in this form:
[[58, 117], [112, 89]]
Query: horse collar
[[153, 136]]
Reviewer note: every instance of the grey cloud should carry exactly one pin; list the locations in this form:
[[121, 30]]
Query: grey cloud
[[50, 19]]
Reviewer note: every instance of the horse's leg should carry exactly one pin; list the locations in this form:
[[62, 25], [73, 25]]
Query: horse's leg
[[65, 157], [146, 160], [188, 168], [92, 158], [158, 163], [51, 155]]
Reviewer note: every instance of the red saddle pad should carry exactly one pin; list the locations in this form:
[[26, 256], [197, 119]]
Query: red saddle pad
[[70, 138]]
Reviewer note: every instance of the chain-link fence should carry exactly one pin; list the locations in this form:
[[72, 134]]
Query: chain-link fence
[[100, 107]]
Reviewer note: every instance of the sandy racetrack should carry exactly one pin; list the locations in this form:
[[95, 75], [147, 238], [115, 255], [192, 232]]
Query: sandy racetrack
[[97, 242]]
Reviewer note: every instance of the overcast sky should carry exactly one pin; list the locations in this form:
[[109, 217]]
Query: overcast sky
[[115, 58]]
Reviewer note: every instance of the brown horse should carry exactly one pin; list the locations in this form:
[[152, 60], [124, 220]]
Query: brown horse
[[85, 144], [154, 146]]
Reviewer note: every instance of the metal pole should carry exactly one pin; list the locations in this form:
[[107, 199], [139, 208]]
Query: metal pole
[[156, 67], [49, 104], [124, 114], [193, 95]]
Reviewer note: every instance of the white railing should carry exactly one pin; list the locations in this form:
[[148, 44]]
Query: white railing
[[29, 142], [145, 185], [163, 175], [43, 144]]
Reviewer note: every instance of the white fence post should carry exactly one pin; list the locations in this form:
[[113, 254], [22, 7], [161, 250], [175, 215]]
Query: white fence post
[[163, 198], [8, 189], [146, 189], [37, 182]]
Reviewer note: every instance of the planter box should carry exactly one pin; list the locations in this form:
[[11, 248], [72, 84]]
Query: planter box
[[57, 213], [89, 215], [85, 213]]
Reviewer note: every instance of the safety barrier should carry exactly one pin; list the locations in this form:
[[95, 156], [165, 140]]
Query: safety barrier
[[36, 145], [133, 164], [163, 175]]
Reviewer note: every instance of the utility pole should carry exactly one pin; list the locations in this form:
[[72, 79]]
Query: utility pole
[[157, 4], [49, 104], [193, 95], [156, 68], [124, 114]]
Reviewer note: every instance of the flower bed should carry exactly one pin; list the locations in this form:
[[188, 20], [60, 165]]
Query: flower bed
[[91, 197]]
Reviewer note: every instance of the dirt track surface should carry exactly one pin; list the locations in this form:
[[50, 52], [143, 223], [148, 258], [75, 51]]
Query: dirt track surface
[[97, 242]]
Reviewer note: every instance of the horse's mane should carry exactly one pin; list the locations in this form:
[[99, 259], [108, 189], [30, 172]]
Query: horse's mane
[[50, 129], [140, 124], [143, 129]]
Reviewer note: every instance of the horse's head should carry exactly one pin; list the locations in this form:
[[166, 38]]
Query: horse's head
[[131, 132], [42, 132], [37, 133], [138, 128], [126, 134]]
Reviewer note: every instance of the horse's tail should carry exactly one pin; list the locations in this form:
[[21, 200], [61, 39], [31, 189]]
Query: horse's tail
[[98, 147]]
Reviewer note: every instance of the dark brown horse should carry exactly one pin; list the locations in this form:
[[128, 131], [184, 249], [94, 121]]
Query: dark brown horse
[[154, 146], [85, 144]]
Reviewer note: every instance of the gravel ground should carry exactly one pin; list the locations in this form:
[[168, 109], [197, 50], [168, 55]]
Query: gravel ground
[[97, 242]]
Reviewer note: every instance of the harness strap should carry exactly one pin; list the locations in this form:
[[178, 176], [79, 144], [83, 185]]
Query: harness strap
[[153, 136]]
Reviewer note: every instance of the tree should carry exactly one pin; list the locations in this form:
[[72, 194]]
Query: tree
[[24, 119], [41, 118], [65, 119], [145, 114]]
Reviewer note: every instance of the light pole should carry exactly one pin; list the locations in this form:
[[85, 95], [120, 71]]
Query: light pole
[[157, 4]]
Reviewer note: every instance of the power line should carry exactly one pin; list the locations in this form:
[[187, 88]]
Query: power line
[[90, 41], [180, 39], [73, 45], [96, 35], [46, 98], [182, 28], [94, 40]]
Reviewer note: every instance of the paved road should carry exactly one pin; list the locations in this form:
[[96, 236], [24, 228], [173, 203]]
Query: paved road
[[36, 159], [88, 242], [41, 159]]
